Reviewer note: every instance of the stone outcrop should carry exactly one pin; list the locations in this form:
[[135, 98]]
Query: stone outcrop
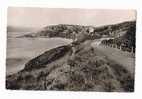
[[47, 57]]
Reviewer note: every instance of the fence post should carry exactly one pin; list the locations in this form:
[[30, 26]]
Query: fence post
[[132, 49], [120, 47]]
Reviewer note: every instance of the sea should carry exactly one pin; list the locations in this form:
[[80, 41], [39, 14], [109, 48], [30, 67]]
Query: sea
[[21, 50]]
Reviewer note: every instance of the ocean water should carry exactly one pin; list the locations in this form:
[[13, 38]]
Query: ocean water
[[21, 50]]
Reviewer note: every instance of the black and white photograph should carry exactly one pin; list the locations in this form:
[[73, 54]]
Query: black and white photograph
[[70, 49]]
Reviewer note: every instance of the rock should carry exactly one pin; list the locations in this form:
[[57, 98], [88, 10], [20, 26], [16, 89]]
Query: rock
[[47, 57]]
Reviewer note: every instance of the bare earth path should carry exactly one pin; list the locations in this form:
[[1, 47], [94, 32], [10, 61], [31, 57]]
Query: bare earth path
[[120, 57]]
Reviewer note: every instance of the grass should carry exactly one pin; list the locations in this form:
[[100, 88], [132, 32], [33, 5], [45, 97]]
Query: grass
[[86, 70]]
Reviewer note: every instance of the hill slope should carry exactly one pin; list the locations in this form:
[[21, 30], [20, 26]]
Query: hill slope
[[126, 42], [84, 70]]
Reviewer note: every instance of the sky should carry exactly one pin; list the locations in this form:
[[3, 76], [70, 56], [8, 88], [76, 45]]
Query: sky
[[41, 17]]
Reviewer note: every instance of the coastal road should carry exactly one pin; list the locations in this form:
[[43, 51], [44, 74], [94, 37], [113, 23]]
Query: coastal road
[[116, 55]]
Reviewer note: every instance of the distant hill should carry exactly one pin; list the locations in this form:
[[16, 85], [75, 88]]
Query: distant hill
[[70, 31], [19, 29], [115, 29]]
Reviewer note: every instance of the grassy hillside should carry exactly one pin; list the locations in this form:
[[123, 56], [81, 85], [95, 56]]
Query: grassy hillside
[[125, 41], [84, 70]]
